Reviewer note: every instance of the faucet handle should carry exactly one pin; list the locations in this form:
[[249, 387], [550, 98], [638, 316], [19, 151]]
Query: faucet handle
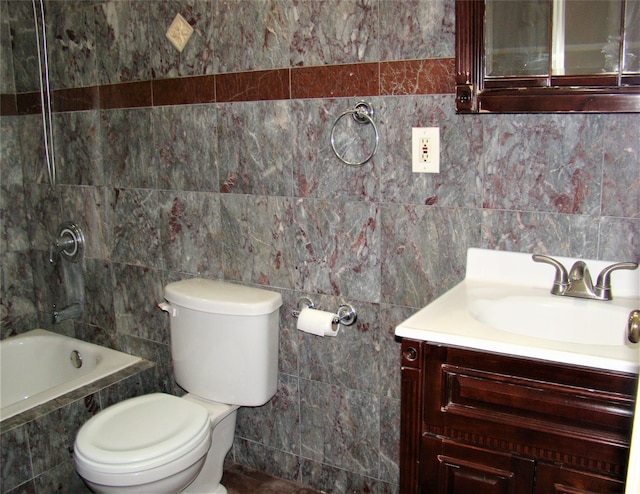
[[561, 281], [68, 242], [603, 284]]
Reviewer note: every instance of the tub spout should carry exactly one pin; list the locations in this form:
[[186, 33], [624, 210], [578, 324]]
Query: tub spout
[[70, 312]]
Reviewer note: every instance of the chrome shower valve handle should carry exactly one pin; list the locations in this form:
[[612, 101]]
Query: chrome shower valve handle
[[68, 243]]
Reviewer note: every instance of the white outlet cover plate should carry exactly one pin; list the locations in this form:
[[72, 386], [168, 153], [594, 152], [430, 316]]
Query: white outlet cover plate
[[432, 163]]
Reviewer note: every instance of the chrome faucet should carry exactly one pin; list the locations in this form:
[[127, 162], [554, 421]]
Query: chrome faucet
[[577, 282], [70, 312]]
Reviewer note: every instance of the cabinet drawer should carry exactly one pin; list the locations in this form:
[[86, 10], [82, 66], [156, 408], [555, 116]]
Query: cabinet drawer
[[576, 417], [533, 404]]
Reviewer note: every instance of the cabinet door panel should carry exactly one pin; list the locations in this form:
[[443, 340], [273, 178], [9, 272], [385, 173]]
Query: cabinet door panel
[[551, 479], [458, 476], [453, 468]]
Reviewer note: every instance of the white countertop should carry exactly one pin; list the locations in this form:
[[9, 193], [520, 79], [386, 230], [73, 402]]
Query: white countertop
[[447, 320]]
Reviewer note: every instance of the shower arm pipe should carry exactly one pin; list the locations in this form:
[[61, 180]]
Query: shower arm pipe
[[45, 90]]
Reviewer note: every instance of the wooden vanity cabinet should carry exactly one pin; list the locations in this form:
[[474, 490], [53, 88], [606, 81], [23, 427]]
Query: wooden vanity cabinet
[[476, 422]]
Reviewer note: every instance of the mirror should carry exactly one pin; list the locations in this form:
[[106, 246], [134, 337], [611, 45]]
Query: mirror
[[577, 41], [547, 55], [586, 41], [523, 49], [632, 37]]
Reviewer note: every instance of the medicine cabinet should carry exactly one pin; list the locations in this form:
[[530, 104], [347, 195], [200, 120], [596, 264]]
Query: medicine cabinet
[[547, 56]]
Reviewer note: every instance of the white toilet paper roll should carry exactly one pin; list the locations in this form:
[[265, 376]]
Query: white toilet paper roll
[[317, 322]]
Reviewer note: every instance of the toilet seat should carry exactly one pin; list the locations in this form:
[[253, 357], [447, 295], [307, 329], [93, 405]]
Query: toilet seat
[[141, 438]]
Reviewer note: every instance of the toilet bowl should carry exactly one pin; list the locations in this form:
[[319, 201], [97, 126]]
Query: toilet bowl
[[224, 349], [155, 443]]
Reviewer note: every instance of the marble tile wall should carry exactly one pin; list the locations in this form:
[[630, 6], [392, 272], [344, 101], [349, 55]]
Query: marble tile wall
[[216, 162]]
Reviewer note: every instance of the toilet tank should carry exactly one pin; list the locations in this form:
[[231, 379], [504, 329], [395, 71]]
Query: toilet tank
[[224, 340]]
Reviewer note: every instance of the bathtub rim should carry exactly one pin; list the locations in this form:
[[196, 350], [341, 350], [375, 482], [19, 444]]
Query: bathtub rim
[[137, 366]]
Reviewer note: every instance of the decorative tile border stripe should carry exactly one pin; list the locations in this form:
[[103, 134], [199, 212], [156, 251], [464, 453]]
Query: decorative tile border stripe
[[335, 81], [27, 103], [76, 99], [432, 76], [184, 91], [127, 95], [253, 86], [8, 104]]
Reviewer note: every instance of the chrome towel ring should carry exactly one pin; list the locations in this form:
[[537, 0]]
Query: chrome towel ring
[[362, 113]]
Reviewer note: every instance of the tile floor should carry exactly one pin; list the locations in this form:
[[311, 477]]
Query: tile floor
[[239, 479]]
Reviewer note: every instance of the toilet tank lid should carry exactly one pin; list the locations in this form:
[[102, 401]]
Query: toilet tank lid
[[220, 297]]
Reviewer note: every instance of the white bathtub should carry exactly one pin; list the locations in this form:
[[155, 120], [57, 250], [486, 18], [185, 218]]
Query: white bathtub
[[38, 366]]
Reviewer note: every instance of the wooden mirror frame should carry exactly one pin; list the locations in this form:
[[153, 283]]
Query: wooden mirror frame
[[586, 94]]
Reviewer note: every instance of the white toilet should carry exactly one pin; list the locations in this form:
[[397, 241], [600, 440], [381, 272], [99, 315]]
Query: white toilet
[[224, 347]]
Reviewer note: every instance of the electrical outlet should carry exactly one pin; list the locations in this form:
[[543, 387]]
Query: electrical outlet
[[425, 149], [424, 144]]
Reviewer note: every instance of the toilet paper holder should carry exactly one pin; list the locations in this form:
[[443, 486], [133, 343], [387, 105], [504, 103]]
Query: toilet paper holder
[[346, 314]]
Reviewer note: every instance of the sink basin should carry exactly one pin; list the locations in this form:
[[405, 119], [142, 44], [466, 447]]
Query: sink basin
[[503, 305], [554, 318]]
